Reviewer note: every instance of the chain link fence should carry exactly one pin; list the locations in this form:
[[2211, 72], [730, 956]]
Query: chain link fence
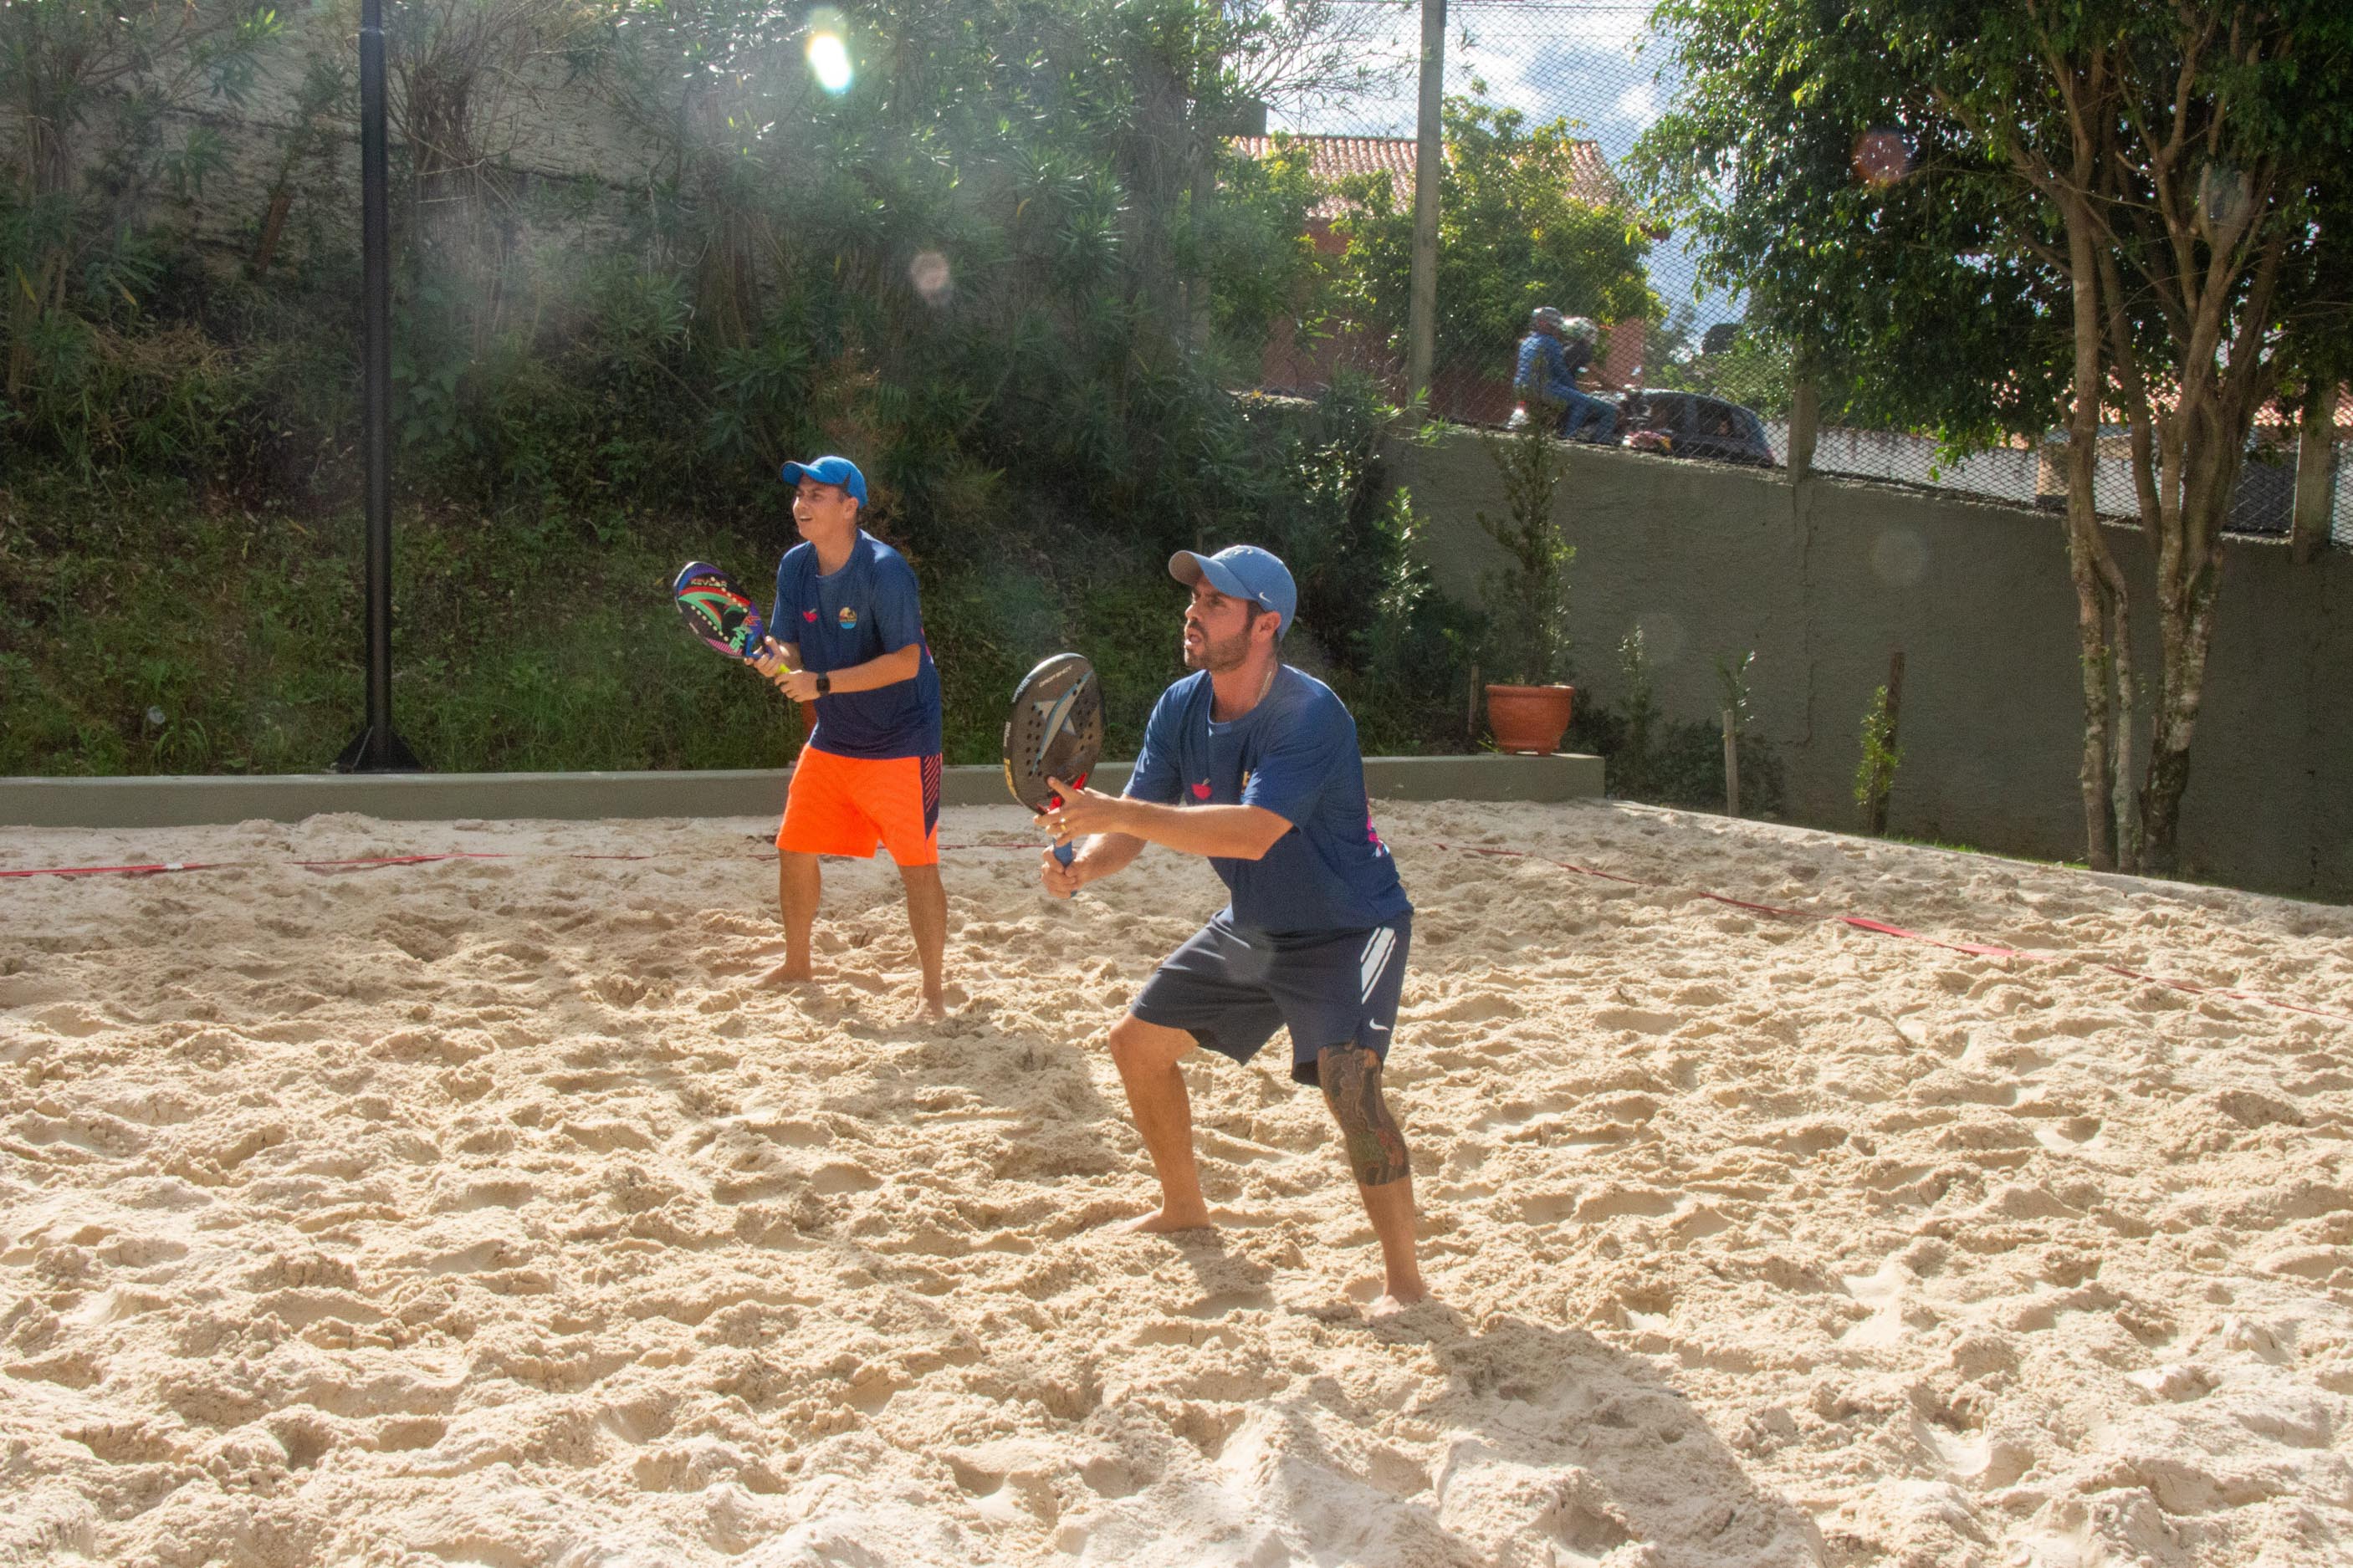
[[1554, 94]]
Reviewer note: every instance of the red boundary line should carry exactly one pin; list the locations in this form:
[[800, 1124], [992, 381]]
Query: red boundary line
[[1859, 922]]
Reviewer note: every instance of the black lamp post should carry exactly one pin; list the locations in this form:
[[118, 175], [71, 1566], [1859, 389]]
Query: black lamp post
[[379, 748]]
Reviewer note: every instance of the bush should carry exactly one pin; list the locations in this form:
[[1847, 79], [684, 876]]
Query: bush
[[1665, 761]]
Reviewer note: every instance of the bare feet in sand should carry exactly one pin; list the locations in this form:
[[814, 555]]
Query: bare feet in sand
[[1388, 1305], [787, 973], [935, 1008]]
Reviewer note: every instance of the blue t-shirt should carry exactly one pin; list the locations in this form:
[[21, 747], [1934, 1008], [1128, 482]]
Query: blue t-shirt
[[1549, 368], [1295, 754], [867, 609]]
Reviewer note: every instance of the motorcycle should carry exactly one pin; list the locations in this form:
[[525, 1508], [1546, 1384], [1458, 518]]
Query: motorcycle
[[1625, 430]]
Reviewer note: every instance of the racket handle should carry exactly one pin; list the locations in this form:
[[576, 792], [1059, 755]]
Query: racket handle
[[1066, 853]]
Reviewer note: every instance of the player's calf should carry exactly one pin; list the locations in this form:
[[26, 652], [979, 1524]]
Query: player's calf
[[1351, 1080]]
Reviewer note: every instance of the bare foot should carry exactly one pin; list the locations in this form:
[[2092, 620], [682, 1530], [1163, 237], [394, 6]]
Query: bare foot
[[936, 1007], [1390, 1303], [1162, 1221], [787, 973]]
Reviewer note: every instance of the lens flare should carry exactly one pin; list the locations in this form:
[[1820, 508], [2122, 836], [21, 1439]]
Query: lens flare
[[929, 274], [828, 57], [1882, 158]]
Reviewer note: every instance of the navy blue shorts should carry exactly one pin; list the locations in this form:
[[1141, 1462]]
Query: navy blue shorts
[[1230, 990]]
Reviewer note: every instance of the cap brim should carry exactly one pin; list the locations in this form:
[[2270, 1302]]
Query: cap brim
[[1190, 567]]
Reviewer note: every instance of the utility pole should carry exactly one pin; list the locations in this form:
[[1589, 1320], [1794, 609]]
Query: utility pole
[[1429, 154]]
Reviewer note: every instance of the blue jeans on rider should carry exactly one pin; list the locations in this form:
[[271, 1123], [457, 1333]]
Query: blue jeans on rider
[[1584, 413]]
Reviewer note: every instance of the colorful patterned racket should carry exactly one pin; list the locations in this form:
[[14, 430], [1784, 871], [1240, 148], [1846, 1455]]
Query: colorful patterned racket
[[716, 609], [1055, 731]]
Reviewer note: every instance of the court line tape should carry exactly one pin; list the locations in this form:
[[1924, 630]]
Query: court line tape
[[1859, 922]]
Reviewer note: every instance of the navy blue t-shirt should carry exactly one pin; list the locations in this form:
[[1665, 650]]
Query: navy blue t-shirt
[[1294, 754], [867, 609]]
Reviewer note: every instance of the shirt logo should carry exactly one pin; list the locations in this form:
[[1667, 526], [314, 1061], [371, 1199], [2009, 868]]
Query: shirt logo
[[1201, 790], [847, 619], [809, 615]]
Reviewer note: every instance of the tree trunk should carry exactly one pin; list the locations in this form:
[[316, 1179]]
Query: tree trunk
[[2094, 603], [2189, 574], [1805, 415], [2315, 454], [273, 228]]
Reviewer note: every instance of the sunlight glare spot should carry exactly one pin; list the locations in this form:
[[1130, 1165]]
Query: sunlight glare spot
[[828, 57]]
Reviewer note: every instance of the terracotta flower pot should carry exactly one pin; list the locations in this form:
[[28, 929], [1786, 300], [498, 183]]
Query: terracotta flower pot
[[1529, 718]]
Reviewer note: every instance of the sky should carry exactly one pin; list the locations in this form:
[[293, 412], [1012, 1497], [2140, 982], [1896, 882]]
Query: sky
[[1593, 61]]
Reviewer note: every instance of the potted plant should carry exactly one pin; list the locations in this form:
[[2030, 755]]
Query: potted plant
[[1527, 596]]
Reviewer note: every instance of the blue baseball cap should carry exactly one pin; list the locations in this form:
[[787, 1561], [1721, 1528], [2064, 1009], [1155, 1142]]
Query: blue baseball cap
[[829, 470], [1241, 571]]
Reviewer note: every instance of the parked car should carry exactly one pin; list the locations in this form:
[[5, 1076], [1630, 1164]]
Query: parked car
[[1686, 424]]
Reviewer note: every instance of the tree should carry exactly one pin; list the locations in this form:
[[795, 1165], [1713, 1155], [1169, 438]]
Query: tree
[[1752, 370], [69, 67], [1251, 250], [1511, 236], [2001, 214]]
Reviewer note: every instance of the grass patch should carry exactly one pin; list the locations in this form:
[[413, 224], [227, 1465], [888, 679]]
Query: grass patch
[[144, 630]]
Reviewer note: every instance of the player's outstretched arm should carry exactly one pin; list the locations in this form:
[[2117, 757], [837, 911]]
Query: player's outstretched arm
[[1230, 832]]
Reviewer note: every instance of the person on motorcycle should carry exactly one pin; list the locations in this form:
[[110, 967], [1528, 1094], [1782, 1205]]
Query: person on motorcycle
[[1556, 352]]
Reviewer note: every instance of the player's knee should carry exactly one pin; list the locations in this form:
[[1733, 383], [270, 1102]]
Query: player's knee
[[1126, 1042], [1135, 1044]]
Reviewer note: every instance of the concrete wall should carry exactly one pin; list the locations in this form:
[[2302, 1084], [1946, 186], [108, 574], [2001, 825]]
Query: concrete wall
[[1823, 581]]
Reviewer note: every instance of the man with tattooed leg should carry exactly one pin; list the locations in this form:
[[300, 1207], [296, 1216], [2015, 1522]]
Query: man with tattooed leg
[[1255, 765]]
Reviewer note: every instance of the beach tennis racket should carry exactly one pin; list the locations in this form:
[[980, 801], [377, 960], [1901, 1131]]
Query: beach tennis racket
[[1055, 731], [715, 608]]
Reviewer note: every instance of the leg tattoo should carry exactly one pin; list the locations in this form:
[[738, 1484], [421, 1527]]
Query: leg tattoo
[[1351, 1076]]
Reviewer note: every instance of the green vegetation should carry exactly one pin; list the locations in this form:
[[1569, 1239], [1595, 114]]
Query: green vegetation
[[1529, 642], [1510, 238], [1752, 371], [534, 638], [1874, 775], [2007, 217], [1005, 268], [1667, 761]]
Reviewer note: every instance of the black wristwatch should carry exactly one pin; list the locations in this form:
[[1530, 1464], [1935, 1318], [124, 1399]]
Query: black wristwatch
[[824, 685]]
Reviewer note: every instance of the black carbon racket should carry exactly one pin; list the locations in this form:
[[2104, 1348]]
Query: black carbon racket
[[1055, 731]]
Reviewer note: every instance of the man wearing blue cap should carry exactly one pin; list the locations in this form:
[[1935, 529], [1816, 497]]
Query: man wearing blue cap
[[848, 637], [1255, 765]]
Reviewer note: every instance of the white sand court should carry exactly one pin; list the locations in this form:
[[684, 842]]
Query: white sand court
[[484, 1211]]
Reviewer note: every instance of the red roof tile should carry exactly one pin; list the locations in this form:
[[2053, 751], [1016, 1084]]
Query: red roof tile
[[1332, 157]]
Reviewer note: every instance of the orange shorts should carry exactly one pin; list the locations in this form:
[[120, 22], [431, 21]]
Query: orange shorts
[[847, 805]]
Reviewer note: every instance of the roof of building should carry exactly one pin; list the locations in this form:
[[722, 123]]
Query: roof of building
[[1333, 157]]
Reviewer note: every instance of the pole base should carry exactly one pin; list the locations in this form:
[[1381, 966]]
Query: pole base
[[371, 753]]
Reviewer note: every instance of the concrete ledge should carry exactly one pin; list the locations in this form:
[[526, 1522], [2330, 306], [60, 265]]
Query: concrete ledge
[[1563, 775], [180, 801]]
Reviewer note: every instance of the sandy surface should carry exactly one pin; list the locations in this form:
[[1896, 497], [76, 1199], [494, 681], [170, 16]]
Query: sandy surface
[[483, 1211]]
